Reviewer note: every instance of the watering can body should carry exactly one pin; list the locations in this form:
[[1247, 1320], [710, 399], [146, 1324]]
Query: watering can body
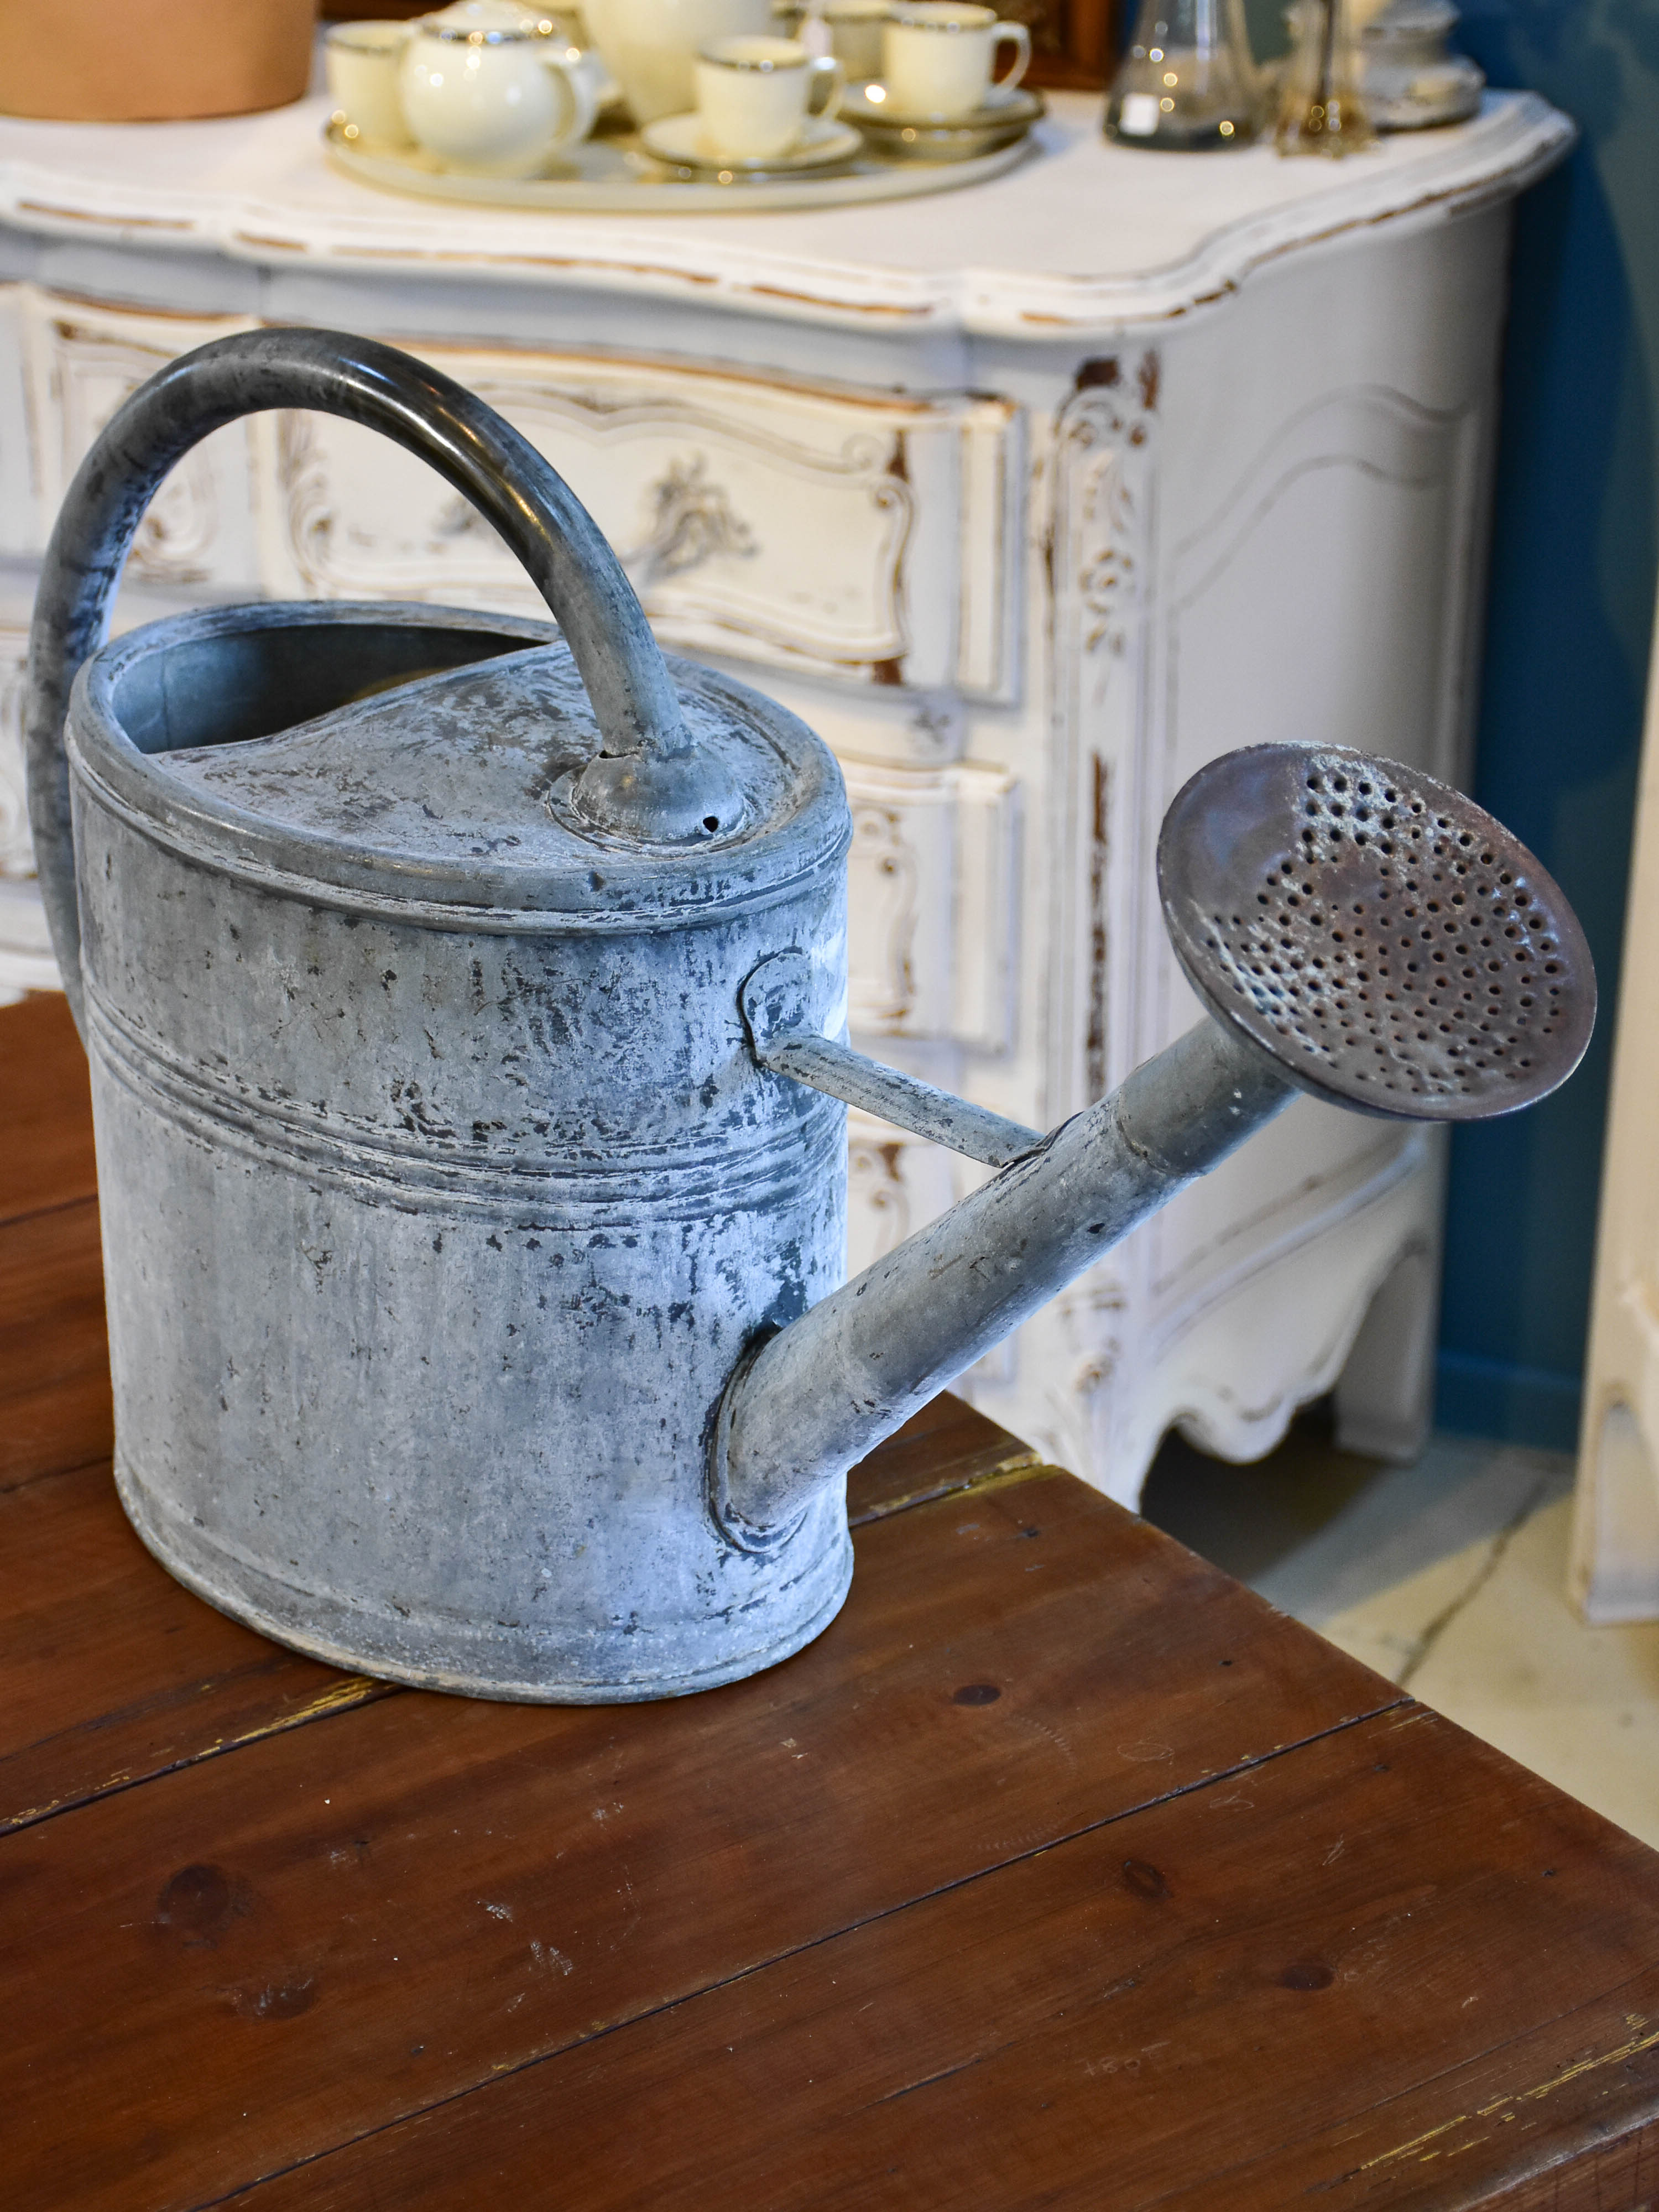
[[466, 1006], [440, 1196]]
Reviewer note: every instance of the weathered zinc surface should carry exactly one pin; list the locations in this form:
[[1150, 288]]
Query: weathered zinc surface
[[441, 1220], [440, 1189], [462, 1007]]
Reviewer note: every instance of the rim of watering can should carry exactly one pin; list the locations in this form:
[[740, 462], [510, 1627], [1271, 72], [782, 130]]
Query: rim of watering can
[[559, 873], [1394, 948]]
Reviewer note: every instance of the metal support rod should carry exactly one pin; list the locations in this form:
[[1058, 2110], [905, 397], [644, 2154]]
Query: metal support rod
[[815, 1399], [778, 1001], [905, 1101]]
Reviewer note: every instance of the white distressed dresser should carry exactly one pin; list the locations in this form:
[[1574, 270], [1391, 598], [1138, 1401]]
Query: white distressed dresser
[[1030, 498]]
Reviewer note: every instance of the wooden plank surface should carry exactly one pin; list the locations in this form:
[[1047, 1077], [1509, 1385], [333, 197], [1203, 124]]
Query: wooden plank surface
[[54, 1377], [1617, 2174], [1059, 1871], [389, 1875], [46, 1109], [110, 1671], [945, 1448], [1214, 2003]]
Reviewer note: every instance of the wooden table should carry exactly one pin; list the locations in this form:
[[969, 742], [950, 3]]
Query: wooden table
[[1060, 1871]]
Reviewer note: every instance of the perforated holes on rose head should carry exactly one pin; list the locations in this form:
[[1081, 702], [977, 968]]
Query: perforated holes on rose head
[[1392, 946]]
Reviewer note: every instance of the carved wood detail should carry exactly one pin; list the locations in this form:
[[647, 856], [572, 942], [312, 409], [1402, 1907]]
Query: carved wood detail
[[804, 527], [1348, 533], [82, 361], [692, 521], [1101, 558], [896, 1183], [1341, 537], [1383, 486], [931, 898]]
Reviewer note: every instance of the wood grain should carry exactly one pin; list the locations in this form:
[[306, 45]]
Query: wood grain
[[1617, 2174], [55, 1409], [1296, 1987], [112, 1672], [45, 1108], [947, 1447], [54, 1362], [447, 1890]]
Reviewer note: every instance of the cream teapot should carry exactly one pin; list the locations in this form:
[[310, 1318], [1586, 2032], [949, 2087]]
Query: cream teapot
[[497, 89]]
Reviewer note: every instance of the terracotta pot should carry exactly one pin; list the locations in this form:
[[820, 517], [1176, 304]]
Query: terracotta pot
[[143, 61]]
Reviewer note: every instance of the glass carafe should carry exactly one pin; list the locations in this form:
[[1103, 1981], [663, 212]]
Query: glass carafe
[[1187, 82]]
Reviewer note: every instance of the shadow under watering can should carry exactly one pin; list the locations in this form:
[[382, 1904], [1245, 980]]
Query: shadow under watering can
[[466, 1012]]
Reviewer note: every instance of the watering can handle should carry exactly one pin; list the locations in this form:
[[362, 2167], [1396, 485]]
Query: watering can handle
[[528, 503]]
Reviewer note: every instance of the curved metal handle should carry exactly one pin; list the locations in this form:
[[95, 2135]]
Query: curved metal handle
[[519, 493]]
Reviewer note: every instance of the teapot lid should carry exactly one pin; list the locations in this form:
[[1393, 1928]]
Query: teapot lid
[[428, 768], [487, 23]]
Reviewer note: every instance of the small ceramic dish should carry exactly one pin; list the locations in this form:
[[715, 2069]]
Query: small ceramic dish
[[678, 140], [1005, 117]]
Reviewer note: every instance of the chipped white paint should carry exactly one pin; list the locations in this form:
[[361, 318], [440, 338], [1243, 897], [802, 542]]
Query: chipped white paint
[[1082, 238]]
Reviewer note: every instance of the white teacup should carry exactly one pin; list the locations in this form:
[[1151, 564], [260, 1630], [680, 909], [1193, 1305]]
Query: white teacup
[[936, 56], [855, 35], [362, 61], [651, 46], [755, 94]]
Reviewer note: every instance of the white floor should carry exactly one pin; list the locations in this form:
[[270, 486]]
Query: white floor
[[1449, 1577]]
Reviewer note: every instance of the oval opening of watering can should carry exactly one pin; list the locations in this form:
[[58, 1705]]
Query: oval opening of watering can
[[465, 1004]]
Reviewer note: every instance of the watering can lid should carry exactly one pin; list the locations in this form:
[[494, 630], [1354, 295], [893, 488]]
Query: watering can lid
[[448, 799]]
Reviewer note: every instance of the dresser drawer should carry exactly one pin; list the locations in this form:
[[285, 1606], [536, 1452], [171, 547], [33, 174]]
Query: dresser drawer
[[862, 536], [931, 899]]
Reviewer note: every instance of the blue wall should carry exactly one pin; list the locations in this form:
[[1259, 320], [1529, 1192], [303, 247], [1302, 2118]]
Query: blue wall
[[1569, 619]]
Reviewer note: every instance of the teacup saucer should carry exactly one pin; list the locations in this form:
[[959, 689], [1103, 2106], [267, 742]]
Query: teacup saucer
[[678, 139], [1006, 115]]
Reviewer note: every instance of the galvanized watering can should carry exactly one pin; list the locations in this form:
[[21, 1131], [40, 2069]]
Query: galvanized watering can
[[465, 1009]]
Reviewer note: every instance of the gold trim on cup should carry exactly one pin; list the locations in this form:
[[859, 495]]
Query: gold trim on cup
[[767, 64], [918, 15]]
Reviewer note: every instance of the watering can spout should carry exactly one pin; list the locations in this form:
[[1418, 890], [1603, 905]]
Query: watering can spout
[[815, 1398], [1353, 929]]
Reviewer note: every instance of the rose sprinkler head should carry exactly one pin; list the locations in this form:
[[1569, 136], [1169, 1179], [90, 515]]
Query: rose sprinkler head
[[1389, 944]]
